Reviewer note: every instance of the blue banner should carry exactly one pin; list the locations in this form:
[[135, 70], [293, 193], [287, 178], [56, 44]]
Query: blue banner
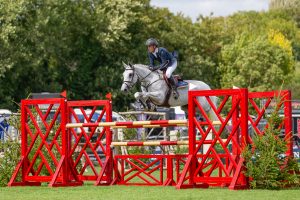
[[3, 128]]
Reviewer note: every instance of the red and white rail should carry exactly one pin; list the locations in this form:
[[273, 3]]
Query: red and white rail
[[137, 124]]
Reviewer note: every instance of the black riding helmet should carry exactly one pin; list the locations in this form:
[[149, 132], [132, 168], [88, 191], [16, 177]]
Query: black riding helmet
[[151, 41]]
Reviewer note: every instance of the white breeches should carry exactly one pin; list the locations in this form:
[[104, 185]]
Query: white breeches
[[171, 69]]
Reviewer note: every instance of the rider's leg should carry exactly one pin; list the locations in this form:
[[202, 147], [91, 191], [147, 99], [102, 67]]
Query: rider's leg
[[171, 79], [171, 69]]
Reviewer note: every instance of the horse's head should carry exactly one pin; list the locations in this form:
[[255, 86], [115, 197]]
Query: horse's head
[[129, 78]]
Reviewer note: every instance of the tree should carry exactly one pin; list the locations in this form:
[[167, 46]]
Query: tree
[[79, 46], [56, 45], [255, 63], [291, 7], [266, 161], [277, 4]]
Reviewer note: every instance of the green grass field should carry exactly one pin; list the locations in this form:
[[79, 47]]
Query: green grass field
[[90, 192]]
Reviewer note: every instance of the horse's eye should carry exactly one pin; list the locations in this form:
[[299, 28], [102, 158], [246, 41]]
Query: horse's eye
[[130, 75]]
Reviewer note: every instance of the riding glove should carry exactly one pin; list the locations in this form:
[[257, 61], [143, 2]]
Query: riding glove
[[154, 68]]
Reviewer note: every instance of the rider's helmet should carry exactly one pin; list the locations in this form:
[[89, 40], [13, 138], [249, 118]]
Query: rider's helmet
[[151, 41]]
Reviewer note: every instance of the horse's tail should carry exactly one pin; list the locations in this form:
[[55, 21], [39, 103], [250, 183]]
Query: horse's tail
[[212, 113]]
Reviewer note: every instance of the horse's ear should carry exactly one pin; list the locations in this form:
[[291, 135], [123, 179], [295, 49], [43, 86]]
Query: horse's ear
[[124, 65], [130, 65]]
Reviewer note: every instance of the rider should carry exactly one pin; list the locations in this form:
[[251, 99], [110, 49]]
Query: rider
[[166, 60]]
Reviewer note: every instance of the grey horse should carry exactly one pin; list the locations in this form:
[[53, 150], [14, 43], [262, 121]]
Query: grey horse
[[155, 88]]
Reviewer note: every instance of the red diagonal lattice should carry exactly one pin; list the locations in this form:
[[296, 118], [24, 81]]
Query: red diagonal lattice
[[142, 168], [149, 170], [261, 104], [87, 142], [217, 154], [44, 155], [211, 152]]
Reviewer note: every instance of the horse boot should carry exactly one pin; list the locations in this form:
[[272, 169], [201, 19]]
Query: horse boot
[[174, 87]]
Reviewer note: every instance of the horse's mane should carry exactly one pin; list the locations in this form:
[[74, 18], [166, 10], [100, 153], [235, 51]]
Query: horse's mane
[[141, 65], [146, 67]]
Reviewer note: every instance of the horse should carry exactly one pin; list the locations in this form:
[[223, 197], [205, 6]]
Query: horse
[[156, 90]]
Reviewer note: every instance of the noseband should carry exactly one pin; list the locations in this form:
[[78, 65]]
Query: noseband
[[129, 83]]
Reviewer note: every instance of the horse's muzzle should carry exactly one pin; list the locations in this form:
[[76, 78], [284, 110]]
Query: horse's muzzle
[[124, 88]]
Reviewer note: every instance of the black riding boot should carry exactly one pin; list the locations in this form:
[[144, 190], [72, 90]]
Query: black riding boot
[[173, 86]]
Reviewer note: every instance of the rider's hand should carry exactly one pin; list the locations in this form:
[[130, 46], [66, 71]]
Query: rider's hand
[[151, 68]]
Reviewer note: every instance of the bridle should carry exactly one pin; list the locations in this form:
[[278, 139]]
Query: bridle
[[130, 83]]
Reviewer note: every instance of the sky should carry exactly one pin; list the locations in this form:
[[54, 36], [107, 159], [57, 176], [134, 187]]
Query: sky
[[193, 8]]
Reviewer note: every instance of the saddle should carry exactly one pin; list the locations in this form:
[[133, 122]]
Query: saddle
[[180, 83]]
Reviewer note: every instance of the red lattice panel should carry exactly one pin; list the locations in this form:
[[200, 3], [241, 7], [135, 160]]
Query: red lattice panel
[[259, 103], [148, 169], [90, 146], [44, 145], [216, 154]]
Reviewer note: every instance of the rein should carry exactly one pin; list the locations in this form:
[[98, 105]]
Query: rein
[[130, 83]]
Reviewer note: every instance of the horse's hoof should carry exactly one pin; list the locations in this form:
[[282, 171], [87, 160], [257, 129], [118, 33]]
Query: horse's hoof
[[152, 108]]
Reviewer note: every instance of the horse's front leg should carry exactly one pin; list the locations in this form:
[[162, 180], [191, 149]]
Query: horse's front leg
[[153, 99], [154, 96], [139, 96]]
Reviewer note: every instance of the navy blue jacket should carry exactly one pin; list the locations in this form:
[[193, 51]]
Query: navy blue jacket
[[164, 57]]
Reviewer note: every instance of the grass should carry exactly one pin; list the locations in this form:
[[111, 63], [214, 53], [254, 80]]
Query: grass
[[91, 192]]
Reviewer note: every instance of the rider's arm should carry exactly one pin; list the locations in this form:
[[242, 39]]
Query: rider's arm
[[151, 59], [164, 59]]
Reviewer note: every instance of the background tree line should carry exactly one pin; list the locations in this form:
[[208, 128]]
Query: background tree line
[[79, 45]]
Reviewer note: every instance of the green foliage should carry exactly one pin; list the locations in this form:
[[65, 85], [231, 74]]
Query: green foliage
[[56, 45], [277, 4], [181, 150], [140, 150], [130, 133], [255, 63], [9, 158], [295, 84], [79, 46], [266, 162], [10, 150]]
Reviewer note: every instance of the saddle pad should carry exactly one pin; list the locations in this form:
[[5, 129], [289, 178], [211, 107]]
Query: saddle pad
[[182, 84]]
